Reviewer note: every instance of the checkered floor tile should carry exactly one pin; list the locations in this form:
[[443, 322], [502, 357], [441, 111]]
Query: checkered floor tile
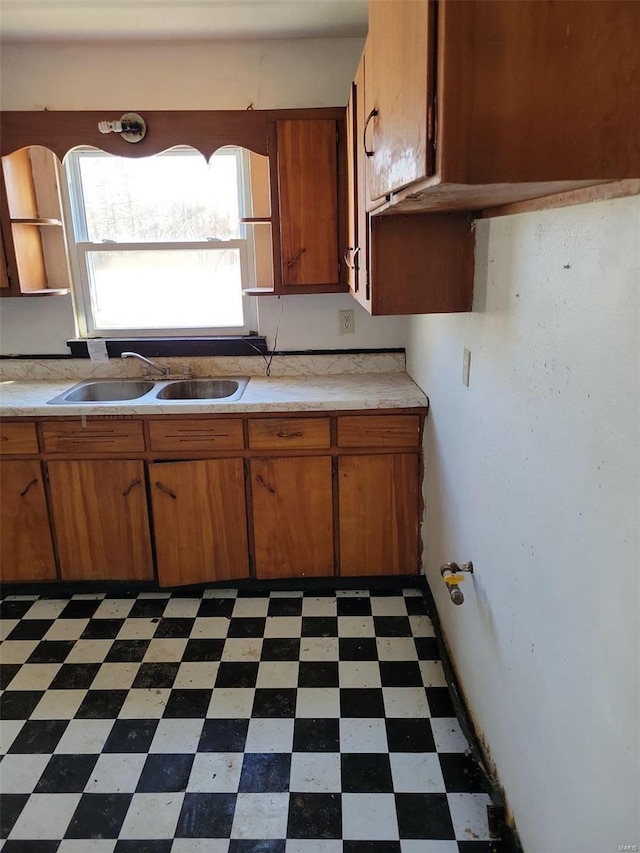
[[231, 722]]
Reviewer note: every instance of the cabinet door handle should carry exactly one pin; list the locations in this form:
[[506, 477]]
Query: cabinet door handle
[[289, 434], [167, 491], [131, 486], [351, 257], [294, 260], [372, 114], [28, 486], [265, 485]]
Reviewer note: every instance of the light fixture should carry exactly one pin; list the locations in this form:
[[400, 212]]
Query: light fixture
[[131, 127]]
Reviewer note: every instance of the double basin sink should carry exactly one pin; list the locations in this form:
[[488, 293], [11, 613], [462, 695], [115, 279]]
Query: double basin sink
[[149, 391]]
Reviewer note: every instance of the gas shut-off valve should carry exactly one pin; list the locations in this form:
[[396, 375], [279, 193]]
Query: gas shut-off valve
[[453, 576]]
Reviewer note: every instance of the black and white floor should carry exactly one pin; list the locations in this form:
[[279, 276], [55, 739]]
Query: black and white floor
[[230, 721]]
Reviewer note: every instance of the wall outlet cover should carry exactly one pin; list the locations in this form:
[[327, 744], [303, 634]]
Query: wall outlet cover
[[346, 321]]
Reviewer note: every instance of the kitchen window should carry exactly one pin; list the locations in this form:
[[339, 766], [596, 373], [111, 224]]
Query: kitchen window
[[157, 244]]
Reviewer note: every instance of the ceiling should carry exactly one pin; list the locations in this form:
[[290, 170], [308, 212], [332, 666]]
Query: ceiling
[[82, 20]]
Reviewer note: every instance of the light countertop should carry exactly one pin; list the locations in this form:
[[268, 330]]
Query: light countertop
[[20, 397]]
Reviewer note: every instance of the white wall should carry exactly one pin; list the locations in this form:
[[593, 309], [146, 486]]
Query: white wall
[[533, 473], [185, 75]]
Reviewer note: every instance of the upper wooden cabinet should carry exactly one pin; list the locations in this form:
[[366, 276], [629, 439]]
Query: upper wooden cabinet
[[307, 172], [410, 264], [35, 251], [475, 103], [298, 189], [398, 95]]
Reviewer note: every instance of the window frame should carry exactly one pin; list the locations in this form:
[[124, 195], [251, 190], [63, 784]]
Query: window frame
[[78, 249]]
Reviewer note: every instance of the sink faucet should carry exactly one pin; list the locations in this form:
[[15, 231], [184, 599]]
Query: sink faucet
[[163, 370]]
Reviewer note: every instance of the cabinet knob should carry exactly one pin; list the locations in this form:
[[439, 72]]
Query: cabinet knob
[[289, 434], [372, 114]]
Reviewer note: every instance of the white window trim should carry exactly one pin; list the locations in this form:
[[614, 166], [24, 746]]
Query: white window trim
[[81, 291]]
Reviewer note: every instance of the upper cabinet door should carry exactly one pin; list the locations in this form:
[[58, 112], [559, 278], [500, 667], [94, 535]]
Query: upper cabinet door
[[351, 250], [400, 63], [308, 193]]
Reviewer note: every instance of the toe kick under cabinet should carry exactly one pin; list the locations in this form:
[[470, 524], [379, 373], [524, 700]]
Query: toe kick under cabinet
[[200, 499]]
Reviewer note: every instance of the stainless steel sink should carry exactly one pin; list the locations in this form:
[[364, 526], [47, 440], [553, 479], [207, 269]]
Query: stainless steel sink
[[203, 389], [105, 391], [147, 391]]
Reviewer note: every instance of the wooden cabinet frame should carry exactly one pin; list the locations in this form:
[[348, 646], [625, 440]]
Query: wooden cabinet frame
[[327, 437], [207, 131]]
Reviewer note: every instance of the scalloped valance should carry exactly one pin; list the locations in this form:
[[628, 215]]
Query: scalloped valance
[[204, 130]]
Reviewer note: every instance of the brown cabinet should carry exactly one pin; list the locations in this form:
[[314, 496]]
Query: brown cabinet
[[457, 108], [18, 438], [378, 504], [200, 521], [297, 495], [289, 433], [398, 96], [26, 549], [196, 434], [33, 226], [410, 264], [93, 436], [100, 517], [309, 197], [475, 103], [379, 431], [292, 512], [297, 186]]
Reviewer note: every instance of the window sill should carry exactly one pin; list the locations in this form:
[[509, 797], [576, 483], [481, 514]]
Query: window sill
[[168, 347]]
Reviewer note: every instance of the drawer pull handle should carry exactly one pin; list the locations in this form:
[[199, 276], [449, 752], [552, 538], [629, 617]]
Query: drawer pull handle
[[372, 114], [28, 486], [265, 485], [289, 434], [166, 490], [131, 486]]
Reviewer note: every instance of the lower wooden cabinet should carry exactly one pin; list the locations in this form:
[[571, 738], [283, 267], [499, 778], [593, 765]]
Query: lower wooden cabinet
[[101, 521], [378, 500], [299, 495], [292, 510], [200, 521], [26, 550]]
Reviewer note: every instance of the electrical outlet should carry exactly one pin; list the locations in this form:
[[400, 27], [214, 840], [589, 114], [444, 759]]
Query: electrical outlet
[[466, 366], [345, 319]]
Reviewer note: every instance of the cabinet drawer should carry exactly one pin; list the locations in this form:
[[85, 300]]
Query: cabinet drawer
[[285, 433], [379, 431], [94, 436], [18, 438], [205, 434]]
